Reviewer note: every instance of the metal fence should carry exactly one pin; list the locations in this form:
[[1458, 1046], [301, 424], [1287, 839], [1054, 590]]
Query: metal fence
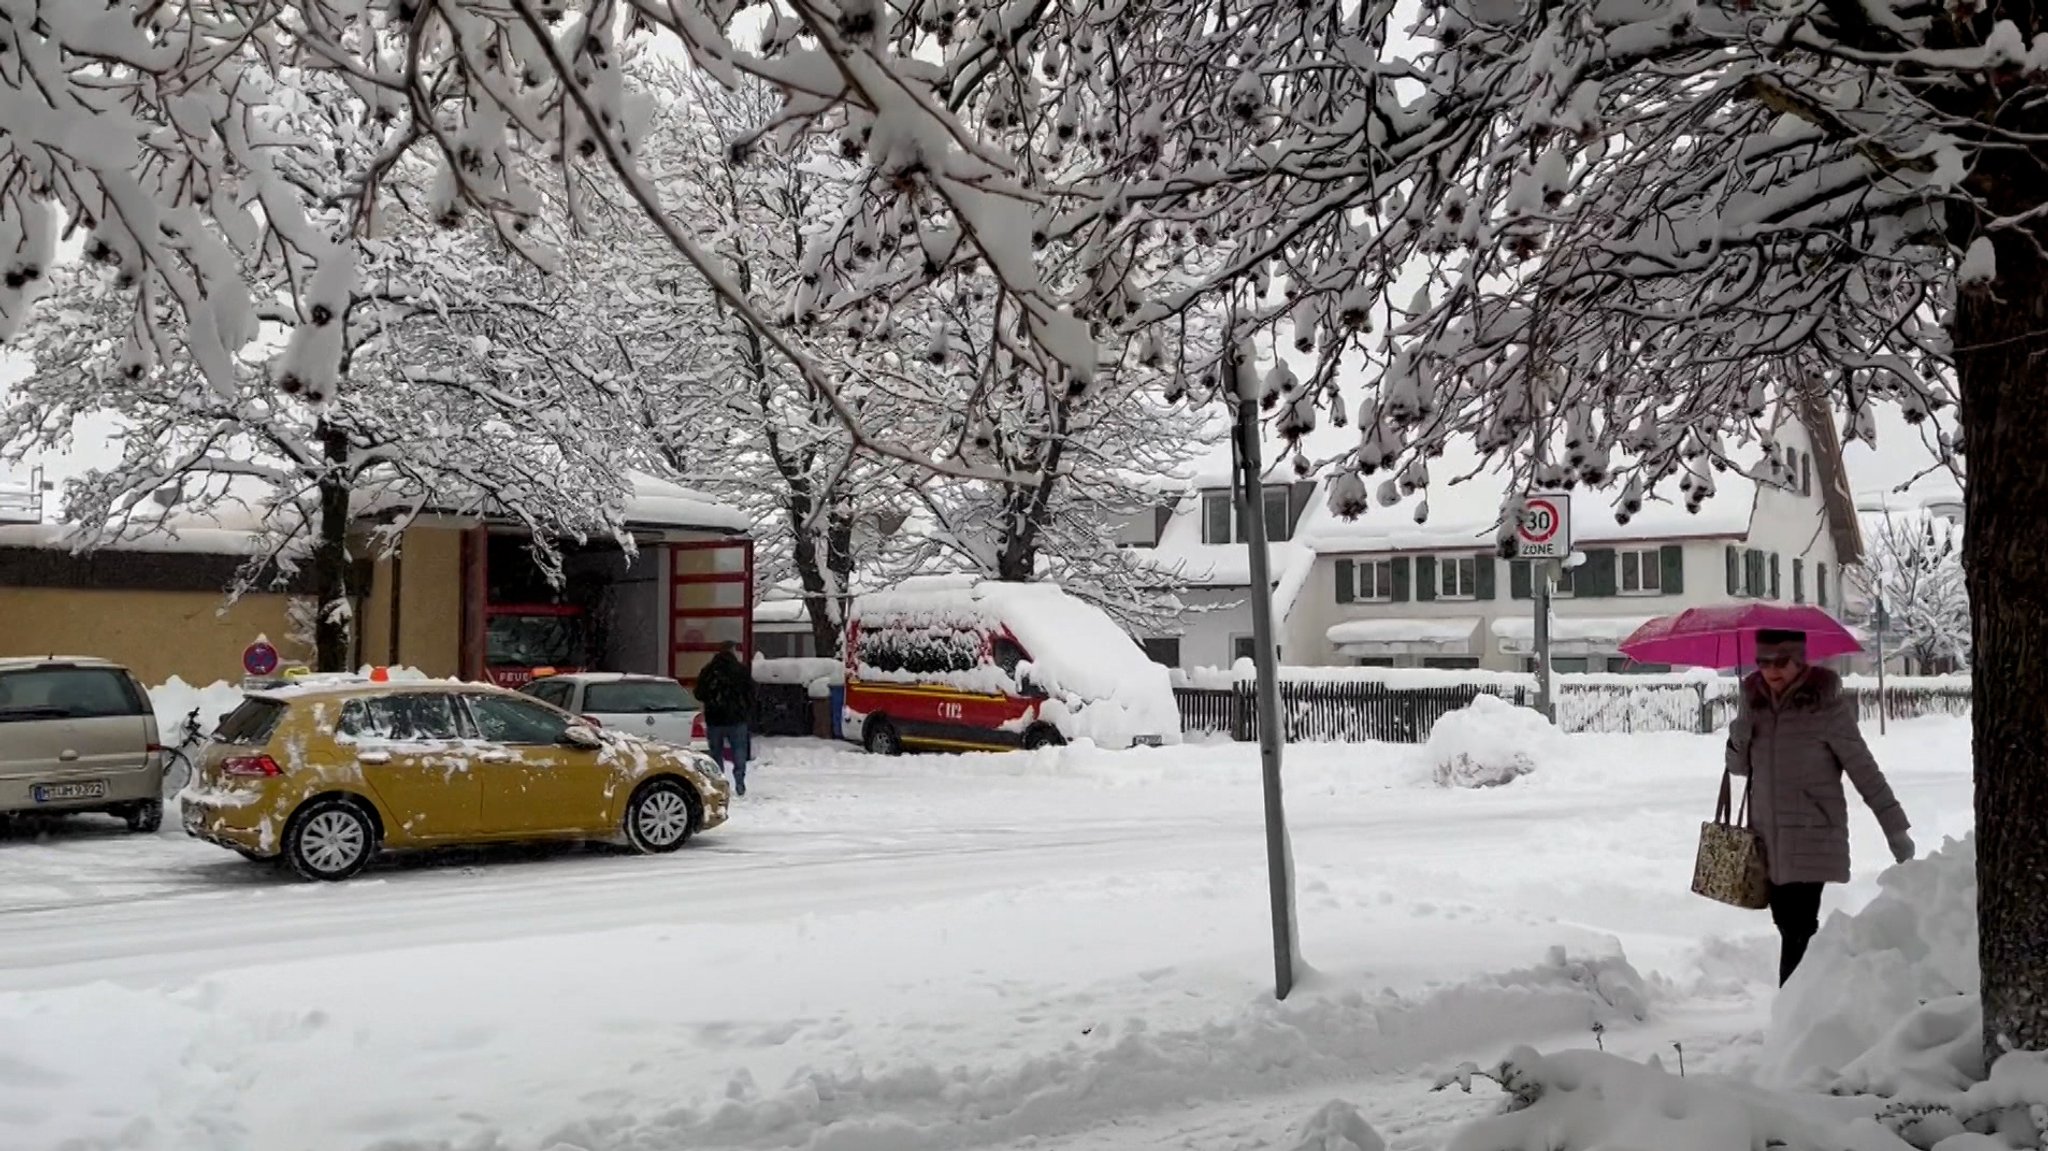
[[1340, 712]]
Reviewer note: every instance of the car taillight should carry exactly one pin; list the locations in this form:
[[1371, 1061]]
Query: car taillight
[[154, 748], [697, 726], [251, 766], [591, 720]]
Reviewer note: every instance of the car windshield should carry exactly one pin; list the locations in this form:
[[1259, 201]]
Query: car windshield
[[534, 641], [636, 696], [66, 693]]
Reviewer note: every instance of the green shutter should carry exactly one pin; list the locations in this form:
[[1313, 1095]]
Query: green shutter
[[1399, 566], [1425, 578], [1774, 576], [1798, 580], [1671, 558], [1482, 570], [1759, 573], [1820, 583], [1347, 587], [1596, 577], [1734, 575], [1520, 582]]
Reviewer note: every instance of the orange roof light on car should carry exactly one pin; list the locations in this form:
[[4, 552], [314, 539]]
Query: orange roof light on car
[[544, 672]]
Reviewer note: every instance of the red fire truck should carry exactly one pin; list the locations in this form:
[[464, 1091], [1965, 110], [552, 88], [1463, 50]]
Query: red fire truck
[[942, 664]]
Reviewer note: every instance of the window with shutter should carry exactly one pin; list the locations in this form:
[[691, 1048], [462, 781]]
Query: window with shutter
[[1375, 581], [1798, 580], [1346, 585], [1775, 594], [1820, 583], [1457, 577], [1642, 571]]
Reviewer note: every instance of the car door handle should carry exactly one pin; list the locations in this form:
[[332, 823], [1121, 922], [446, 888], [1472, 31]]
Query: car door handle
[[373, 757], [67, 756]]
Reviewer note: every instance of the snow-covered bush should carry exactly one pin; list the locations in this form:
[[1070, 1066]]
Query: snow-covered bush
[[1486, 744]]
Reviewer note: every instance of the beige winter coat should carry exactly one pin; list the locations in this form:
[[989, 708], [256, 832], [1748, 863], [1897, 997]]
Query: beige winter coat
[[1796, 750]]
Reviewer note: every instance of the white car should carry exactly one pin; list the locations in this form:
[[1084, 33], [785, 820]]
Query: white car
[[649, 706]]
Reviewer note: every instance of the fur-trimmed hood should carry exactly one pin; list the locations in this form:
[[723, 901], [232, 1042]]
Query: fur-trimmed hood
[[1819, 688]]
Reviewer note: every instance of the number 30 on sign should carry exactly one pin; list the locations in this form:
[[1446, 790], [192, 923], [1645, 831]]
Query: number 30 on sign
[[1544, 530]]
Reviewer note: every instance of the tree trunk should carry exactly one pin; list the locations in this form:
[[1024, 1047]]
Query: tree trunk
[[810, 568], [2001, 342], [334, 623]]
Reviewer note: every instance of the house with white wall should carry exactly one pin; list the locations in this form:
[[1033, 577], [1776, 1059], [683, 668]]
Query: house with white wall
[[1393, 589]]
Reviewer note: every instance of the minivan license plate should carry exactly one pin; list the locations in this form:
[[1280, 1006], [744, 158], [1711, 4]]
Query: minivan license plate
[[59, 792]]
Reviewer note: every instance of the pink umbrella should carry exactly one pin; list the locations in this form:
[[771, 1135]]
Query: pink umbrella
[[1725, 636]]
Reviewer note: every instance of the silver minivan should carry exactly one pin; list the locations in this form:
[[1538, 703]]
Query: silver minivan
[[78, 734]]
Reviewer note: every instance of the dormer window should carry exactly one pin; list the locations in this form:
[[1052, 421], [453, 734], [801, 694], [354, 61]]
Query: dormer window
[[1222, 525]]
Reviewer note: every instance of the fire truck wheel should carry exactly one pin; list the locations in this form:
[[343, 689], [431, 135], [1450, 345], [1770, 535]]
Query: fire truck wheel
[[1043, 736], [880, 737]]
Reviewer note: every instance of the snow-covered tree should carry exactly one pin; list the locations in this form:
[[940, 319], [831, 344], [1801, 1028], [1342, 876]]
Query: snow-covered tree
[[1603, 241], [1914, 569], [719, 407]]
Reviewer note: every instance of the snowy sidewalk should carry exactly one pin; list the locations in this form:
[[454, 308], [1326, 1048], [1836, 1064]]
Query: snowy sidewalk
[[1061, 949]]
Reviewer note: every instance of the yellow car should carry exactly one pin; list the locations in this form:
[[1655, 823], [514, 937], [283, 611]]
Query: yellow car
[[326, 774]]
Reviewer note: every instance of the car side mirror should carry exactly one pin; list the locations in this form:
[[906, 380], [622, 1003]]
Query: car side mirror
[[577, 735]]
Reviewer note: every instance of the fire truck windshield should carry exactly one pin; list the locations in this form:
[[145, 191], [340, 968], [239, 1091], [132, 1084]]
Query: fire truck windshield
[[534, 641]]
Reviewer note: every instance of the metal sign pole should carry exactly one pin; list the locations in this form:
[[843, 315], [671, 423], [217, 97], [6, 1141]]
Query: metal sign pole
[[1882, 623], [1544, 575], [1279, 856]]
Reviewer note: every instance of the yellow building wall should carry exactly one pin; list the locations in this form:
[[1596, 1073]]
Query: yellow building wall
[[155, 634], [429, 601]]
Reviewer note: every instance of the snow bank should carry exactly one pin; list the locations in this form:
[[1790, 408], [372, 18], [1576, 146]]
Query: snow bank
[[1488, 743], [1843, 1020], [1420, 677], [1589, 1101]]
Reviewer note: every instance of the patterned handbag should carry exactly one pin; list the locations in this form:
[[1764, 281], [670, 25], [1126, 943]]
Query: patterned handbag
[[1730, 867]]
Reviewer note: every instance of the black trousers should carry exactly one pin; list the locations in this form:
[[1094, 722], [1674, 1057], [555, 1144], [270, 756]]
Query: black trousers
[[1795, 908]]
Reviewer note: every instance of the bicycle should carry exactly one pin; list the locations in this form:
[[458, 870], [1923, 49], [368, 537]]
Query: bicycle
[[178, 764]]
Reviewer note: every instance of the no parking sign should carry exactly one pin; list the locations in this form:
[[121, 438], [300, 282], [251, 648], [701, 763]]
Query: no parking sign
[[259, 658]]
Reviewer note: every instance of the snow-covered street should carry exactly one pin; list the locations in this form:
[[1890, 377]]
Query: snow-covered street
[[1066, 948]]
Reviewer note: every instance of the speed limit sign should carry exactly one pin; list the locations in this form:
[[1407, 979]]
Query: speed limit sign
[[1544, 528]]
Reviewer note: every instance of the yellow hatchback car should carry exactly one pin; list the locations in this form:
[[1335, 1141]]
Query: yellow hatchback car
[[327, 774]]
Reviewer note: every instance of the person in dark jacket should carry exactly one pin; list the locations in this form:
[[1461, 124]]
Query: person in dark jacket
[[1795, 736], [725, 689]]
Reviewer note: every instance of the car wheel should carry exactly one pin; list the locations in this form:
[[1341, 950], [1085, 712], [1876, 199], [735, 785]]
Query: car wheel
[[330, 840], [880, 737], [145, 817], [660, 818], [1039, 737]]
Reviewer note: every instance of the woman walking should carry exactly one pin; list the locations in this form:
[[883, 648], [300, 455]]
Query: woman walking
[[1795, 736]]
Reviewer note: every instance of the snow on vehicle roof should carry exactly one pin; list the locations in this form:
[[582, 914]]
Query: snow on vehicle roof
[[1074, 646], [603, 677]]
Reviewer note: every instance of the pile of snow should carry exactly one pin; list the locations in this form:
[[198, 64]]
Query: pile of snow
[[1846, 1020], [1339, 1127], [1487, 743], [1100, 684]]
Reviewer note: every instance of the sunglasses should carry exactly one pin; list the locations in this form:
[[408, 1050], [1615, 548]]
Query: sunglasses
[[1778, 661]]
